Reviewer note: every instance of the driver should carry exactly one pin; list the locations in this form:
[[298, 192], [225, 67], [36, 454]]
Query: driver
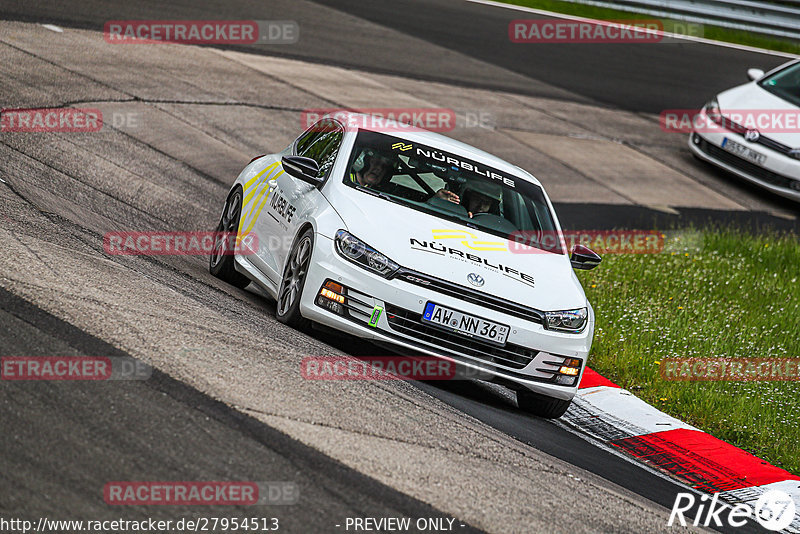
[[374, 168], [482, 197]]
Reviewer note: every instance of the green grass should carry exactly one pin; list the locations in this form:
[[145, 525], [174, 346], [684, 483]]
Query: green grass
[[712, 293], [709, 32]]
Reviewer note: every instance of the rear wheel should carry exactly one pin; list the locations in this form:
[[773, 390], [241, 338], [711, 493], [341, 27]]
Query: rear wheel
[[293, 281], [221, 262], [542, 406]]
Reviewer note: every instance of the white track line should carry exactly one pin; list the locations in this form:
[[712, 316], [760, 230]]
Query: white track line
[[667, 34]]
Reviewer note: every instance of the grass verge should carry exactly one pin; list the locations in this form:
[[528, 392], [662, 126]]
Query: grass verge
[[713, 293], [716, 33]]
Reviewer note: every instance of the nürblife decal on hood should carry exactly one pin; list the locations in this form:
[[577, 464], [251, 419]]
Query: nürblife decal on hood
[[460, 255]]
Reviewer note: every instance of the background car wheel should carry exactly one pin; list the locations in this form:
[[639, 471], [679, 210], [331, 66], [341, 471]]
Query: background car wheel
[[219, 264], [542, 406], [293, 281]]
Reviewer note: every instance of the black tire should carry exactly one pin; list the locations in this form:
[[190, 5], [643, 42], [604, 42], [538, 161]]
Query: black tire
[[542, 406], [294, 280], [219, 264]]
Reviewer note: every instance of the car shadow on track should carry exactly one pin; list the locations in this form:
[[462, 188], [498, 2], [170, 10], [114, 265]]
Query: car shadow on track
[[476, 391]]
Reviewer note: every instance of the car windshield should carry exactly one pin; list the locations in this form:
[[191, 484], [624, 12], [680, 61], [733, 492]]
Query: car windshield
[[450, 187], [785, 84]]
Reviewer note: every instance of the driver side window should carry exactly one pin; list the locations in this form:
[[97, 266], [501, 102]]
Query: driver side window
[[321, 143]]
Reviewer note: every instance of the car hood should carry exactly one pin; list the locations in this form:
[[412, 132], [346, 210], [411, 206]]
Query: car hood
[[750, 97], [450, 251]]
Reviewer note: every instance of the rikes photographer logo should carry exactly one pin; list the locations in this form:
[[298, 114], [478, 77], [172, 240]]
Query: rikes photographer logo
[[774, 510]]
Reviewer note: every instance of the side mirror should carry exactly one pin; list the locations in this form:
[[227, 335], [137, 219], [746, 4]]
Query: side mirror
[[755, 74], [584, 258], [305, 169]]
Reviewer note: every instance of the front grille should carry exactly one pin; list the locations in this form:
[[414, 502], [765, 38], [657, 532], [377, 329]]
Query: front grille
[[750, 168], [470, 295], [774, 145], [410, 323], [762, 140]]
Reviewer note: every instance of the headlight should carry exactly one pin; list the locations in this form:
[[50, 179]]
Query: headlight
[[713, 112], [355, 250], [794, 153], [572, 321]]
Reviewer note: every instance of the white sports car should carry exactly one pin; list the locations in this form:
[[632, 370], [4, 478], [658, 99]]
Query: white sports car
[[406, 239], [753, 130]]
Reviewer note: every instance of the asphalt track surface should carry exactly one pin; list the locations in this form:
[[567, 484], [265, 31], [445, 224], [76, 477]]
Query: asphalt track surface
[[67, 438], [152, 427], [634, 77]]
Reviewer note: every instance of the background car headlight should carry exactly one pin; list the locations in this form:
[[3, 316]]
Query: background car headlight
[[713, 112], [355, 250], [572, 321]]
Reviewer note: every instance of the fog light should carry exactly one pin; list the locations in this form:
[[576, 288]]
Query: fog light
[[569, 371], [331, 297], [328, 294]]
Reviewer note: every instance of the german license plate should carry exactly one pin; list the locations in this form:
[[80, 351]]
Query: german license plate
[[465, 324], [742, 151]]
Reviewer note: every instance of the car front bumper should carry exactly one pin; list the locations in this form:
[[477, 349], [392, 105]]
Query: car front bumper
[[520, 364], [779, 173]]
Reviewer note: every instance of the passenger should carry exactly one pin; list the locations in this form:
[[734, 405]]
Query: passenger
[[482, 197]]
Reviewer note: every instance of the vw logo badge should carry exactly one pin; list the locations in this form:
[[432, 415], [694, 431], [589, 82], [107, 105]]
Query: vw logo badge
[[752, 135], [475, 279]]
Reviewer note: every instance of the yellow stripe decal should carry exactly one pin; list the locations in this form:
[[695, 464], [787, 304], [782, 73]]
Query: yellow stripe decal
[[264, 189], [258, 212], [254, 189], [243, 218], [485, 245], [265, 169], [454, 234]]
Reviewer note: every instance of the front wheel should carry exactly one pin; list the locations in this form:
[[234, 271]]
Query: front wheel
[[293, 281], [221, 263], [542, 406]]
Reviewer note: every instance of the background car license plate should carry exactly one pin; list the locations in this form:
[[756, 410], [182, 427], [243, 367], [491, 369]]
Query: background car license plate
[[465, 324], [740, 150]]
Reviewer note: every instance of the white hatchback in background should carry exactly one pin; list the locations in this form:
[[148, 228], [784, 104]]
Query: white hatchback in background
[[420, 259], [769, 158]]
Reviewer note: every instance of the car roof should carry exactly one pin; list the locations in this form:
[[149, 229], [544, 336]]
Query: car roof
[[426, 137]]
